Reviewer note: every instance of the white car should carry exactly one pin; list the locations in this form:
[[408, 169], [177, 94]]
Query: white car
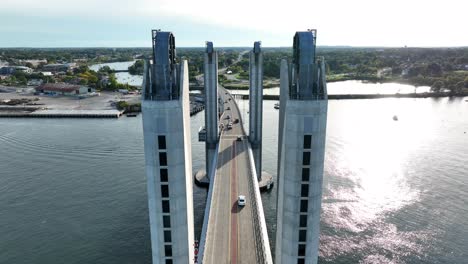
[[241, 200]]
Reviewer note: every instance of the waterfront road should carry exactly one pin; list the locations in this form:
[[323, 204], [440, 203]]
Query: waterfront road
[[230, 238]]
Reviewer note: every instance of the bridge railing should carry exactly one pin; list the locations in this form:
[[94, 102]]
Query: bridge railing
[[260, 230], [205, 230]]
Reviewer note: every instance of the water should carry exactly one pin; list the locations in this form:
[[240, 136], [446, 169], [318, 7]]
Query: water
[[357, 87], [74, 190], [121, 77]]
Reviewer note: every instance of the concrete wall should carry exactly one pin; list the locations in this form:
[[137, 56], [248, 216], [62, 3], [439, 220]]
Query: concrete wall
[[297, 118], [171, 119]]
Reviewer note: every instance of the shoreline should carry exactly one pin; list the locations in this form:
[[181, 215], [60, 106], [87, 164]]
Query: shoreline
[[373, 96]]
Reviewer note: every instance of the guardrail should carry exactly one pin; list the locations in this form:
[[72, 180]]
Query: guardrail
[[206, 218], [261, 235]]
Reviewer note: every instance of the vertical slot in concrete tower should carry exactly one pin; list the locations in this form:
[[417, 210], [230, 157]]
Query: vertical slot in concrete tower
[[301, 149], [211, 105], [167, 141], [256, 106]]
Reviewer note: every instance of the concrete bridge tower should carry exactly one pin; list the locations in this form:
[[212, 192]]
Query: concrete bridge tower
[[256, 105], [211, 105], [168, 157], [301, 149]]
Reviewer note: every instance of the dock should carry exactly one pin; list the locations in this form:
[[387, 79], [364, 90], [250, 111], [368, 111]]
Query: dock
[[58, 113]]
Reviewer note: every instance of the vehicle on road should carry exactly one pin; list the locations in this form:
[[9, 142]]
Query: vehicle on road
[[228, 108], [228, 117], [236, 120], [241, 200], [239, 138]]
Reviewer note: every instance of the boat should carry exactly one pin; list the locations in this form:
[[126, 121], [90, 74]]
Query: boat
[[276, 106]]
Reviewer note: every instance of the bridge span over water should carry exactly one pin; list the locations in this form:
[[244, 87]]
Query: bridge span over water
[[233, 233]]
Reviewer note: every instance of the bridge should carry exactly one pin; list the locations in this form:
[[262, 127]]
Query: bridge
[[233, 233]]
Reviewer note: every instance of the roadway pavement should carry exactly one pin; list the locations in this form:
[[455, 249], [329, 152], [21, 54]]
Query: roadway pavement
[[230, 237]]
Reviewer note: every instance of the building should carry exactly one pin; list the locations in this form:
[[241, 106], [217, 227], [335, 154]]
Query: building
[[35, 82], [59, 67], [13, 69], [384, 72], [64, 89], [47, 74]]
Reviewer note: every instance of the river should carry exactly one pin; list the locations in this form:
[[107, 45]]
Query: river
[[344, 87], [74, 190], [122, 77]]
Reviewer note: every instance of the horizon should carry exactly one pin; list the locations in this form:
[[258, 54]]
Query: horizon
[[244, 47], [362, 23]]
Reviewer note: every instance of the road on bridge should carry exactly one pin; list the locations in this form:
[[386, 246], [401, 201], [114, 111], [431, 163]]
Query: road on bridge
[[231, 232]]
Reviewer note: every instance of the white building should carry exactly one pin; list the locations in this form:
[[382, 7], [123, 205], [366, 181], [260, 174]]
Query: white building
[[35, 82]]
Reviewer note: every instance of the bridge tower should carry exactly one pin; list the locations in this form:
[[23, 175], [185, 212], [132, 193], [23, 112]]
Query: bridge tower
[[168, 157], [211, 105], [301, 148], [256, 105]]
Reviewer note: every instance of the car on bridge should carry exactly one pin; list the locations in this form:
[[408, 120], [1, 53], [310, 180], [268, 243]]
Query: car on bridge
[[241, 200], [239, 138]]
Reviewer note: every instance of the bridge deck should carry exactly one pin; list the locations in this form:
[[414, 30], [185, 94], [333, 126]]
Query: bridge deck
[[231, 231]]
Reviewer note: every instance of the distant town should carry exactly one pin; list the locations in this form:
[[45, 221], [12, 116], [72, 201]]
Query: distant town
[[50, 74]]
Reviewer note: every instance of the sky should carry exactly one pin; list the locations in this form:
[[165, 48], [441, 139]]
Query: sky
[[128, 23]]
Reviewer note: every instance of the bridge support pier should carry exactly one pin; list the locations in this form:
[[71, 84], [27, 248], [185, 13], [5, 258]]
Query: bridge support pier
[[168, 156], [301, 149], [211, 105], [256, 106]]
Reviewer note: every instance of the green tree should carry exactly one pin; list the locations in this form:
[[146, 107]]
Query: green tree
[[137, 68], [437, 86]]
